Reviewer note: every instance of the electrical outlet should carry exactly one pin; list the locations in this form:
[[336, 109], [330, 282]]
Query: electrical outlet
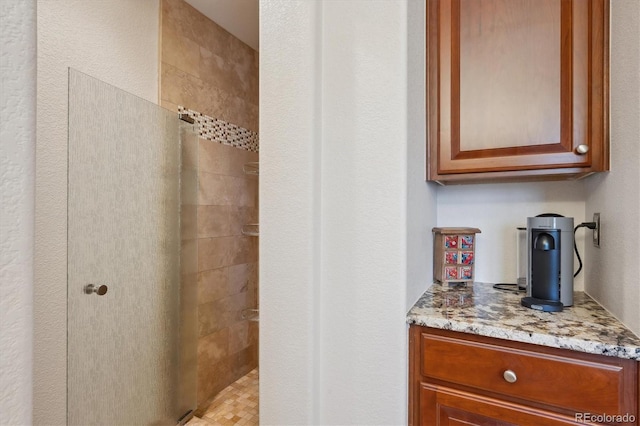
[[596, 231]]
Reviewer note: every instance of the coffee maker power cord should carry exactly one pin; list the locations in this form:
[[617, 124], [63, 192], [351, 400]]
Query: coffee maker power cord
[[590, 225]]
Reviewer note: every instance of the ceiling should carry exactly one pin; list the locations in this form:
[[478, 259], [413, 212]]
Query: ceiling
[[239, 17]]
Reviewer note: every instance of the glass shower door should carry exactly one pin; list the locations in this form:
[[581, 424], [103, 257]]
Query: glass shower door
[[124, 278]]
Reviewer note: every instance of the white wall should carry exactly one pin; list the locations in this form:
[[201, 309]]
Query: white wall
[[17, 163], [421, 196], [115, 41], [290, 141], [498, 209], [334, 185], [613, 269]]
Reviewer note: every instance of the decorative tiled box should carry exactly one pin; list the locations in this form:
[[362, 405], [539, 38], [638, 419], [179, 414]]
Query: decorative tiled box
[[454, 254]]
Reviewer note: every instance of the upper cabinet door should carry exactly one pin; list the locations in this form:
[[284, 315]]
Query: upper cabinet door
[[516, 89]]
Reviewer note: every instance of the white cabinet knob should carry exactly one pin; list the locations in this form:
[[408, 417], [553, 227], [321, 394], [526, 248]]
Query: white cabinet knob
[[510, 376], [582, 149]]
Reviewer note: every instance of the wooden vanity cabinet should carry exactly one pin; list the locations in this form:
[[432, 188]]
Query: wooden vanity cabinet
[[458, 378], [516, 89]]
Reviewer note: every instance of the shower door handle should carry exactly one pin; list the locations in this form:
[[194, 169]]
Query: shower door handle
[[100, 290]]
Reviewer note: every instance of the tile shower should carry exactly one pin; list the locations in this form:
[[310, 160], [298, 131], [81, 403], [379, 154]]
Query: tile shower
[[212, 76]]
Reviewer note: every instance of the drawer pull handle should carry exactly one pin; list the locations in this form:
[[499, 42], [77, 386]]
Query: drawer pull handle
[[510, 376]]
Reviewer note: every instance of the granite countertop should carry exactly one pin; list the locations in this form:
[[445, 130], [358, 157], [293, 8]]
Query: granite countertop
[[480, 309]]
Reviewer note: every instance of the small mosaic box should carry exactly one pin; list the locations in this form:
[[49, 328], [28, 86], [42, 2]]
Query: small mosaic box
[[454, 254]]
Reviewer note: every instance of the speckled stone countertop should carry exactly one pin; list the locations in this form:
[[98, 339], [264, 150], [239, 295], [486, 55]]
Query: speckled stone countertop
[[480, 309]]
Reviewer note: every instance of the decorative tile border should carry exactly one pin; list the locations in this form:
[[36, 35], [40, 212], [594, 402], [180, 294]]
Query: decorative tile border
[[220, 131]]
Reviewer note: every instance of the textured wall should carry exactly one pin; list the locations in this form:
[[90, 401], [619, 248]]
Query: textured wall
[[289, 211], [612, 270], [421, 195], [333, 212], [117, 42], [17, 155]]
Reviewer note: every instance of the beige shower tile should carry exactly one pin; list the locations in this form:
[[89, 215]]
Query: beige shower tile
[[238, 336], [253, 117], [245, 361], [223, 159], [190, 152], [236, 304], [240, 216], [168, 105], [180, 88], [253, 332], [189, 187], [242, 278], [213, 347], [189, 257], [244, 192], [214, 221], [212, 378], [237, 112], [180, 51], [245, 250], [214, 189], [215, 253], [217, 158], [214, 102], [219, 72], [188, 221], [214, 316], [213, 285]]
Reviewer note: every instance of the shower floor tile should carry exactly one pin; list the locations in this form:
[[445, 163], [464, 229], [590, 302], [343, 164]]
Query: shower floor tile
[[237, 404]]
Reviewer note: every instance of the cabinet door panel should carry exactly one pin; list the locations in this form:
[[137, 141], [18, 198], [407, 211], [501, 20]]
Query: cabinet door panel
[[447, 407], [509, 73], [516, 86]]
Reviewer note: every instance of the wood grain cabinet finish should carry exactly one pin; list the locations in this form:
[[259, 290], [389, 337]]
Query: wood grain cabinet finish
[[457, 378], [517, 89]]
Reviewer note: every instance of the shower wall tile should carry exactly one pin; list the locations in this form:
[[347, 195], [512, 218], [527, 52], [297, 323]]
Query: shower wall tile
[[213, 285], [225, 159], [223, 190], [212, 378], [245, 360], [215, 221], [169, 105], [180, 87], [217, 252], [214, 316], [240, 216], [213, 76], [180, 52], [242, 278], [253, 333], [225, 67], [238, 336], [188, 254], [219, 190], [214, 347], [188, 222], [190, 152]]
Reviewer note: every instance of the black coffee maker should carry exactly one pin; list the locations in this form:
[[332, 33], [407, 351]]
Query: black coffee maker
[[550, 262]]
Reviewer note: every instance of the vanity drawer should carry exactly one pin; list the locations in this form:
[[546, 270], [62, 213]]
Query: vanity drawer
[[543, 376]]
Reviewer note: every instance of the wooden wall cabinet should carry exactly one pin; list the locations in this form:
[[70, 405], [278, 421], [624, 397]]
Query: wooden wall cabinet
[[517, 89], [457, 378]]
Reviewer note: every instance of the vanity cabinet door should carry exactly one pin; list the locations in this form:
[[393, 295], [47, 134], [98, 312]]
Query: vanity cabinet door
[[447, 407], [516, 89]]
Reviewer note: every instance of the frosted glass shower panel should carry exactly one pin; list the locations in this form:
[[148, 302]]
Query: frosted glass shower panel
[[124, 239]]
